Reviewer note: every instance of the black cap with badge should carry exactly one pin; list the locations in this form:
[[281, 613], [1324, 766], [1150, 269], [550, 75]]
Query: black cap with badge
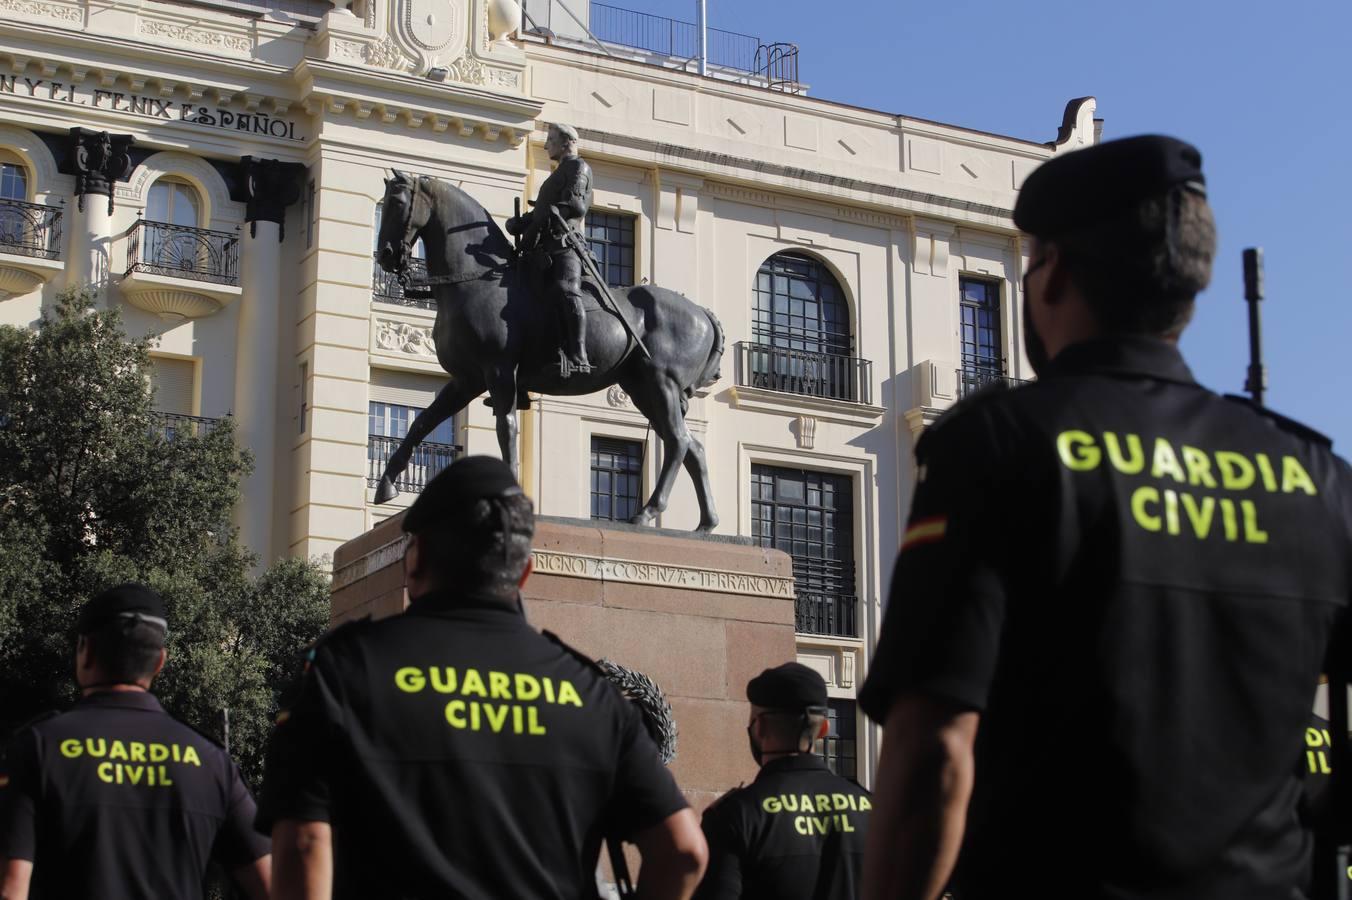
[[129, 601], [792, 687], [442, 504], [1081, 188]]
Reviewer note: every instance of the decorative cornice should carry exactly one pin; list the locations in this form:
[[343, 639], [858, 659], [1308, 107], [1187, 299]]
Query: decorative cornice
[[42, 10], [196, 37], [697, 159]]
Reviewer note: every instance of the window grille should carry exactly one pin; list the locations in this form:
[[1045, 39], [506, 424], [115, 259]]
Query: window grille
[[616, 478]]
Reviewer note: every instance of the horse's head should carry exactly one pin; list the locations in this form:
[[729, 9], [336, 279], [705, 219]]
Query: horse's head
[[403, 213]]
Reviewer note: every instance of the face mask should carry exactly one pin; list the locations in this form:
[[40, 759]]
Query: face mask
[[1033, 346], [756, 751]]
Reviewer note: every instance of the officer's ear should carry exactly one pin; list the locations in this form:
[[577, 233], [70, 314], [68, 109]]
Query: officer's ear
[[525, 573], [159, 663], [822, 729]]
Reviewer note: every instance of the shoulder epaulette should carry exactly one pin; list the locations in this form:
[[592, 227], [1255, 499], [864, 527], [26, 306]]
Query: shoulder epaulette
[[1284, 423], [576, 653], [727, 795]]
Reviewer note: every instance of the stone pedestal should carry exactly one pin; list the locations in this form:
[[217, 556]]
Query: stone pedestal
[[701, 616]]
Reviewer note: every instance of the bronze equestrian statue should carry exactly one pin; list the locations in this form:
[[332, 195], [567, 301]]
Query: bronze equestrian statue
[[497, 330]]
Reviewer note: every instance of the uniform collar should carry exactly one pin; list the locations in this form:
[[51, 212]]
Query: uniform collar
[[799, 762], [142, 700], [1122, 355], [461, 603]]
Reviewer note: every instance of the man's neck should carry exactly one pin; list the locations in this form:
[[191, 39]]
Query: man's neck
[[116, 688], [769, 757]]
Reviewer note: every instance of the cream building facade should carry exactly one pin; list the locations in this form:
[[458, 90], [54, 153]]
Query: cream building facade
[[214, 170]]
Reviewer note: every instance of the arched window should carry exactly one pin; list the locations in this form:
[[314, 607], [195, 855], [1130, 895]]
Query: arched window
[[173, 202], [801, 342], [13, 182], [799, 306]]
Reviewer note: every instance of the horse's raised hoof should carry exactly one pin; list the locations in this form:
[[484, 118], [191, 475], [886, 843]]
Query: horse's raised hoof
[[386, 491]]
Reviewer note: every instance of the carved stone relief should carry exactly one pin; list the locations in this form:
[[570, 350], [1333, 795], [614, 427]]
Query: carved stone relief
[[617, 398], [43, 10], [403, 337], [432, 32], [199, 37]]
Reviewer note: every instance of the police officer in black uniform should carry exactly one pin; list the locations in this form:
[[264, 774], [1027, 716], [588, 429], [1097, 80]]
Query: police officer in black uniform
[[1132, 583], [454, 751], [797, 831], [116, 798]]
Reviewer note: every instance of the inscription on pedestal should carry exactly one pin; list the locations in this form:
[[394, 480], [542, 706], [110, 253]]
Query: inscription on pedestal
[[634, 572]]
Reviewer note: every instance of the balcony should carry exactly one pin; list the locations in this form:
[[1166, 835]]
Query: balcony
[[973, 378], [179, 272], [824, 376], [428, 459], [30, 246], [827, 614], [173, 426], [385, 286]]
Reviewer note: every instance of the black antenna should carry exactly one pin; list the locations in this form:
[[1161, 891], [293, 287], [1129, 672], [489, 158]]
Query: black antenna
[[1256, 382]]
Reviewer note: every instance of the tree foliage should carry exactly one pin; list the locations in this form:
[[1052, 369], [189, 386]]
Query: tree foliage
[[96, 489]]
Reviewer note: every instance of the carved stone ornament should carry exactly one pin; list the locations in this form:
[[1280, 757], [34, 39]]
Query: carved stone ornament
[[432, 32], [270, 186], [98, 160], [403, 337], [617, 398], [468, 70], [384, 54]]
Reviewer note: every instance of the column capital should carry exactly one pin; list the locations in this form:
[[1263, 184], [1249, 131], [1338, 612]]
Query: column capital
[[270, 186], [98, 159]]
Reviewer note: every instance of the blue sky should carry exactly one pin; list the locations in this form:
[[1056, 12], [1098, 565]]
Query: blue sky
[[1261, 89]]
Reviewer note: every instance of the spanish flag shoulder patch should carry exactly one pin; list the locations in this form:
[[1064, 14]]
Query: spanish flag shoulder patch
[[924, 531]]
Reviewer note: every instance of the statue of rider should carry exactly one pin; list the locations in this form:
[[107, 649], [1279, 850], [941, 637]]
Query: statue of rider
[[569, 191]]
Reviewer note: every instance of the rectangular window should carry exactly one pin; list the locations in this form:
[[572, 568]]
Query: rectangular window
[[810, 516], [616, 478], [310, 215], [838, 748], [611, 239], [981, 347], [174, 383]]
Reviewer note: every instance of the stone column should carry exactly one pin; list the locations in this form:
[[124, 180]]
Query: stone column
[[269, 187], [98, 160]]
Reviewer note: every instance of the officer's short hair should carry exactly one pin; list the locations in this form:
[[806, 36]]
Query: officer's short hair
[[1141, 269], [127, 648], [487, 549], [792, 728]]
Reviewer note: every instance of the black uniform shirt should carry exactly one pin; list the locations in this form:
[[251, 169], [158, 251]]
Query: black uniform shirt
[[1136, 582], [459, 753], [795, 833], [116, 798]]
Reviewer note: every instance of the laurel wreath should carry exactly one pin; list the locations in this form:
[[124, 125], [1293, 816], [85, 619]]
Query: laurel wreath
[[644, 693]]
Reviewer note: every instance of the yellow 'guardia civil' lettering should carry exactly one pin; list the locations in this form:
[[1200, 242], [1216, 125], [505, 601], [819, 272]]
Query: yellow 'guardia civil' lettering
[[132, 751], [1165, 510], [517, 686], [815, 803]]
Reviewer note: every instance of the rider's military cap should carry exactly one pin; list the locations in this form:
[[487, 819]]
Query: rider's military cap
[[1084, 187], [792, 686], [125, 601], [444, 501]]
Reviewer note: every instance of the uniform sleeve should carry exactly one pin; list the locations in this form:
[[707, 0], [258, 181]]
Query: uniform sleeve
[[238, 843], [20, 788], [723, 878], [297, 773], [644, 793], [946, 608]]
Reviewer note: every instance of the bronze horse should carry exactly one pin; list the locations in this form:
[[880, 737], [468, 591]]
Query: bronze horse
[[496, 332]]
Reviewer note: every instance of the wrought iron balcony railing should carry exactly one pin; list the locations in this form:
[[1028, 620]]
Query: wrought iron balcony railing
[[428, 459], [173, 425], [30, 229], [810, 374], [178, 251], [830, 614], [973, 378], [386, 288]]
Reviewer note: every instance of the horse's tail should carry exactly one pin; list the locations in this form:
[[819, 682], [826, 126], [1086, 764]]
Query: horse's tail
[[710, 373]]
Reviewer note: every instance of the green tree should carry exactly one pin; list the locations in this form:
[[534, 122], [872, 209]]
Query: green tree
[[95, 489]]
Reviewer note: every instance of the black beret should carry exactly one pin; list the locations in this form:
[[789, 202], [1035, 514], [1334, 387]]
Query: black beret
[[444, 501], [792, 686], [1083, 187], [130, 600]]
